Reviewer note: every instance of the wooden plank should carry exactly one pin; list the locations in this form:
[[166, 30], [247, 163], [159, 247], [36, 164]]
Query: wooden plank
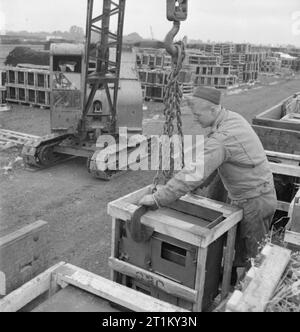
[[285, 169], [2, 284], [174, 227], [153, 279], [279, 140], [295, 214], [264, 281], [24, 254], [292, 238], [116, 236], [228, 262], [223, 208], [111, 291], [28, 292], [200, 278], [121, 210], [283, 156], [223, 227], [23, 135], [72, 299], [283, 206], [286, 125]]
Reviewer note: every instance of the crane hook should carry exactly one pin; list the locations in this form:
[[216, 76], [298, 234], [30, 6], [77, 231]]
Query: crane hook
[[177, 11]]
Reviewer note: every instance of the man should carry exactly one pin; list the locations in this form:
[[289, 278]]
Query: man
[[233, 148]]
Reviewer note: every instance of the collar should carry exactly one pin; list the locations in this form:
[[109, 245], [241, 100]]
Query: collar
[[220, 118]]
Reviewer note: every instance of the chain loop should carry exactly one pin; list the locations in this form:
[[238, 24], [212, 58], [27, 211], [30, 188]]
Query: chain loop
[[172, 101]]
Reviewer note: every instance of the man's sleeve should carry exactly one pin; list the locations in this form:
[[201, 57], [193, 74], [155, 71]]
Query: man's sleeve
[[192, 176]]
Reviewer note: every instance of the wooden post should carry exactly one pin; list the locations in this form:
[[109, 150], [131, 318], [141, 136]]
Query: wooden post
[[228, 261], [200, 278]]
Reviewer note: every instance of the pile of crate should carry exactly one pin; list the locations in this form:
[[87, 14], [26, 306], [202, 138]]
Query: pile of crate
[[149, 58], [154, 83], [2, 87], [216, 76], [28, 84], [237, 62], [251, 66], [271, 65], [208, 70], [154, 67]]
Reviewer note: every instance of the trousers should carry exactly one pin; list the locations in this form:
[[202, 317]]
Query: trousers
[[255, 226]]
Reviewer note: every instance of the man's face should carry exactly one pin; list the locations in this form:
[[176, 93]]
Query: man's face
[[204, 112]]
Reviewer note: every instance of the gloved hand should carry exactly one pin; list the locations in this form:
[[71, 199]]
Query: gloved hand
[[147, 200]]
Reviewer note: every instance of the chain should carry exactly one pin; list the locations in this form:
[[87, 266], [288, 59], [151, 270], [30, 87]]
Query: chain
[[172, 101]]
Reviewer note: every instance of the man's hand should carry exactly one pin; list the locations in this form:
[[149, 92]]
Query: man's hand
[[147, 200]]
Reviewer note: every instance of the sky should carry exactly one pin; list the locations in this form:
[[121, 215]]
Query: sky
[[255, 21]]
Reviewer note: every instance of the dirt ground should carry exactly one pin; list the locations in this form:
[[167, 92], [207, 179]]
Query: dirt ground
[[75, 204]]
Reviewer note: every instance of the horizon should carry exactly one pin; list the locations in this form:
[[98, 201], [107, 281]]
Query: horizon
[[190, 40], [271, 22]]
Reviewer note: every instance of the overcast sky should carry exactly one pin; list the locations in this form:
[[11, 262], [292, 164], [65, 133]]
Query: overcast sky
[[255, 21]]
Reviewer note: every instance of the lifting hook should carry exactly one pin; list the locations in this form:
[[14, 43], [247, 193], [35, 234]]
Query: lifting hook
[[176, 12]]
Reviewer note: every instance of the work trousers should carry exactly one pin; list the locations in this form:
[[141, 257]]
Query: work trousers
[[255, 226]]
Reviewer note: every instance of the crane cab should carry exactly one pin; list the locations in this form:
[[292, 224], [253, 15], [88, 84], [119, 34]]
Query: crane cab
[[67, 68]]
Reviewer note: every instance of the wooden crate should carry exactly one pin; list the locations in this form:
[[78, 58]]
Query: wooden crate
[[261, 281], [272, 117], [183, 228], [67, 288], [278, 140], [23, 255], [292, 233], [28, 86], [2, 95]]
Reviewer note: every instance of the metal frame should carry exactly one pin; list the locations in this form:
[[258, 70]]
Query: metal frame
[[107, 71]]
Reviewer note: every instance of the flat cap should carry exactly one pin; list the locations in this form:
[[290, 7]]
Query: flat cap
[[210, 94]]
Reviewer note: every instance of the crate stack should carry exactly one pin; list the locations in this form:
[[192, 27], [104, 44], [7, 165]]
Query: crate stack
[[2, 87], [271, 65], [223, 49], [215, 76], [243, 48], [208, 70], [251, 66], [153, 59], [237, 62], [28, 84], [196, 58], [154, 67]]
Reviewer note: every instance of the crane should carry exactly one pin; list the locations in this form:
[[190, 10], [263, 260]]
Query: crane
[[89, 103]]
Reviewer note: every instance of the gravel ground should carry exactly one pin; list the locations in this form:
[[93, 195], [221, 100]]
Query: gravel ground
[[73, 203]]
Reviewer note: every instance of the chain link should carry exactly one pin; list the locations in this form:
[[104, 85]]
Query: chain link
[[172, 101]]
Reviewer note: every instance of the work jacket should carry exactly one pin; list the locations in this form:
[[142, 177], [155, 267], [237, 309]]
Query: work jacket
[[232, 148]]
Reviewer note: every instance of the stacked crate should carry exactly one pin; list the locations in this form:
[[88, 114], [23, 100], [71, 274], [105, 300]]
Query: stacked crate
[[271, 65], [223, 49], [242, 48], [154, 67], [153, 59], [251, 66], [208, 70], [28, 84], [154, 83], [215, 76], [2, 87], [237, 62]]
